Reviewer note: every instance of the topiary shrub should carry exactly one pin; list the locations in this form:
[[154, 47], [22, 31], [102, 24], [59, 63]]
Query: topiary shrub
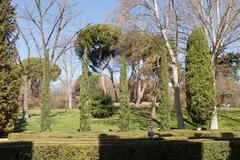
[[102, 105]]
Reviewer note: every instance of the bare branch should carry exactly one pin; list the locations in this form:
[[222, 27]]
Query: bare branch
[[35, 42], [59, 19]]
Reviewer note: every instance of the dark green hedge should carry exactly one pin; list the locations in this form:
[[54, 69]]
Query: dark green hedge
[[121, 149]]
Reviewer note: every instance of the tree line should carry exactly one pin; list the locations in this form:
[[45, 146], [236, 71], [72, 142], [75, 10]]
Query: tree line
[[144, 41]]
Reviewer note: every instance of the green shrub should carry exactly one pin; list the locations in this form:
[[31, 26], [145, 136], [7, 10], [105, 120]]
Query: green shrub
[[120, 149], [9, 78], [102, 105], [70, 135], [200, 92], [191, 134]]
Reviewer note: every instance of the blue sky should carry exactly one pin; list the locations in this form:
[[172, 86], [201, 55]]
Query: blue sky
[[92, 11]]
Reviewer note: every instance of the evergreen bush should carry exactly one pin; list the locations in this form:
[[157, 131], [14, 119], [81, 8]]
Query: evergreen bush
[[9, 78], [102, 104], [112, 147], [199, 79]]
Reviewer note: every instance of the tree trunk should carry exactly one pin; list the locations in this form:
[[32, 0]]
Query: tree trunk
[[139, 86], [140, 92], [114, 86], [25, 112], [180, 121], [69, 97], [115, 93], [176, 86], [135, 88], [153, 105], [214, 120], [199, 128], [103, 82]]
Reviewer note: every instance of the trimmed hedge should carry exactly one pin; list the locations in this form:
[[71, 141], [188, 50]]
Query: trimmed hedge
[[189, 134], [180, 144], [152, 149]]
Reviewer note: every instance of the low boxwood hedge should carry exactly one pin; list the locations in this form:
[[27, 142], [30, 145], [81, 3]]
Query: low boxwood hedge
[[182, 145], [189, 134], [150, 149]]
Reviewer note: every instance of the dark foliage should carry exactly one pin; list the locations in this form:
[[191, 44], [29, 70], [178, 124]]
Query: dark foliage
[[9, 80]]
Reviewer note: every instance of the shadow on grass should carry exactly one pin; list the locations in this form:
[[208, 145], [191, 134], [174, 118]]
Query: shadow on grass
[[227, 117], [21, 124], [189, 122], [147, 117], [144, 118], [58, 114]]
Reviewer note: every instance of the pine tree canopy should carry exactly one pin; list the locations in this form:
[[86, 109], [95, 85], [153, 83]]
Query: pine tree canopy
[[99, 39]]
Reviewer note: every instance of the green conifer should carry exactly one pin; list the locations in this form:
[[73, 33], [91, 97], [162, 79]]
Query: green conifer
[[85, 97], [199, 79], [9, 81], [45, 95], [164, 100], [124, 110]]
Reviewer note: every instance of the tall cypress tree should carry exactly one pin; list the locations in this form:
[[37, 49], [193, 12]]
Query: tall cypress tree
[[124, 110], [45, 95], [199, 79], [9, 81], [85, 97], [93, 44], [164, 100]]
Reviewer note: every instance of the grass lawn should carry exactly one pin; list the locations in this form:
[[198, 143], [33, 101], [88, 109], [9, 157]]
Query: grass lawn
[[68, 121]]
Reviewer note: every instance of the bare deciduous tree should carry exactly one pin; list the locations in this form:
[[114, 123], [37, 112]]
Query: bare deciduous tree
[[25, 77], [112, 68], [156, 16], [69, 64], [220, 20], [49, 20]]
